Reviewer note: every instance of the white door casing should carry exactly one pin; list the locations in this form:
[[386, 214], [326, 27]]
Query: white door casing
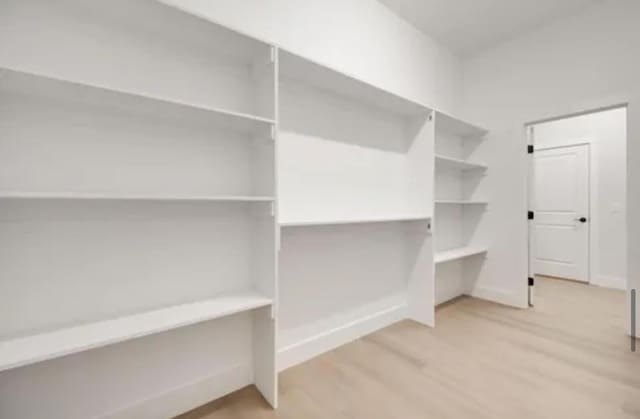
[[561, 205]]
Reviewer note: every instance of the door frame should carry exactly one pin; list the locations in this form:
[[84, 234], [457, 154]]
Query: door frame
[[591, 214], [529, 139]]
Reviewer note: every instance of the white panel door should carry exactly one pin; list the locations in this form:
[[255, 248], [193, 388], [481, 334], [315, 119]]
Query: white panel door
[[561, 204]]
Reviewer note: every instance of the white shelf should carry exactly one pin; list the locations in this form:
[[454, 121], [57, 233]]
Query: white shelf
[[41, 347], [354, 221], [12, 80], [458, 164], [455, 126], [302, 70], [459, 202], [459, 253], [130, 197]]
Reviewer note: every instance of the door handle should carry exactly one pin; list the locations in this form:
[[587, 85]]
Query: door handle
[[582, 219]]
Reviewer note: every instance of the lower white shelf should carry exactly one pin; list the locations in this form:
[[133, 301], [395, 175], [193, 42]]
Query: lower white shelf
[[442, 161], [363, 220], [459, 253], [27, 350]]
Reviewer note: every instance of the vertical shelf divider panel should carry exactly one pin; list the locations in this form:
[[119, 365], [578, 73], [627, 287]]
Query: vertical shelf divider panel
[[354, 205], [137, 186], [458, 209]]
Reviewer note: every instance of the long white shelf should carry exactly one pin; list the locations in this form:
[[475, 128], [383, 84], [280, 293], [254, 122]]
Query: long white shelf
[[459, 202], [354, 221], [303, 70], [132, 197], [458, 164], [25, 81], [459, 253], [27, 350], [456, 126]]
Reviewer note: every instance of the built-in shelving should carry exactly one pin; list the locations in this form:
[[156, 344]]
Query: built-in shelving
[[460, 128], [23, 82], [457, 254], [308, 72], [459, 202], [460, 180], [142, 102], [354, 221], [129, 197], [138, 193], [53, 344], [442, 161], [355, 161]]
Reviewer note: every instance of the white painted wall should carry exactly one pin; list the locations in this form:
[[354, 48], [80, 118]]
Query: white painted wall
[[588, 61], [358, 37], [606, 132]]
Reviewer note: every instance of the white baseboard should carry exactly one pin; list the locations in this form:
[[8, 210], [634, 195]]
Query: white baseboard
[[185, 398], [609, 282], [298, 352], [498, 296]]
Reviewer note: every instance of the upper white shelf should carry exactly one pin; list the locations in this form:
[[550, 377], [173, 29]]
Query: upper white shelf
[[459, 253], [459, 202], [443, 161], [455, 126], [41, 347], [130, 197], [364, 220], [20, 82], [302, 70]]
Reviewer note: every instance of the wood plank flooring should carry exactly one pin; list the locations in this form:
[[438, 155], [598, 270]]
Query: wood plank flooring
[[566, 358]]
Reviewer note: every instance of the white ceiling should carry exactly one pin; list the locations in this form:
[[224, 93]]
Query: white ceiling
[[469, 26]]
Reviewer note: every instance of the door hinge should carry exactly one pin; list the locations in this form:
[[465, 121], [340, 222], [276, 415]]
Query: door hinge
[[531, 215], [532, 282], [530, 149]]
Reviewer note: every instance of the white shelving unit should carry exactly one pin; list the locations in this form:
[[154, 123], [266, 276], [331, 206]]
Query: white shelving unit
[[460, 202], [442, 161], [49, 345], [175, 195], [355, 203], [137, 187], [127, 197], [390, 219], [457, 254], [459, 206]]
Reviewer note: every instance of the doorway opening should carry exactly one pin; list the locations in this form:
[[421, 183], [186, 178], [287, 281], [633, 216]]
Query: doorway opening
[[577, 199]]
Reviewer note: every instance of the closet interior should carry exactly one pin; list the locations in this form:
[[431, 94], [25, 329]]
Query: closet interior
[[207, 207]]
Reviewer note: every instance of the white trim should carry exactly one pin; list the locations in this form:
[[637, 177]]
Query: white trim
[[320, 343], [609, 282], [555, 147], [184, 398], [499, 296]]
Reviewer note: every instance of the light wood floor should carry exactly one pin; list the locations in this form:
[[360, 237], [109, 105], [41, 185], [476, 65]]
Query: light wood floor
[[566, 358]]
